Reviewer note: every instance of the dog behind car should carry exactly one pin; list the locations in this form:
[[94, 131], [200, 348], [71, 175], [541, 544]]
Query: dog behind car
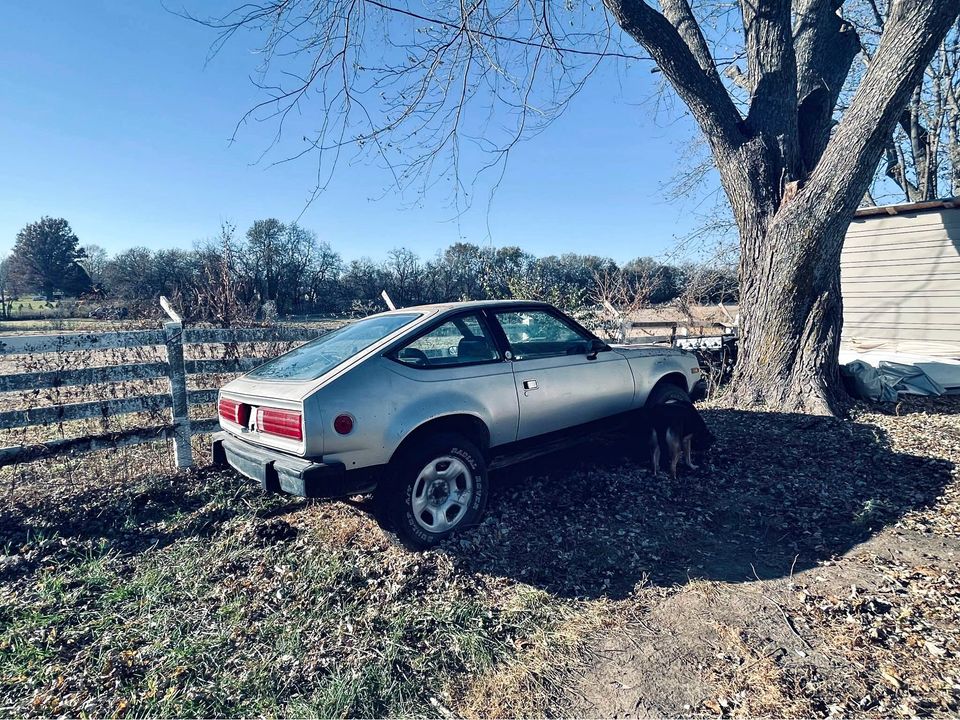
[[673, 430]]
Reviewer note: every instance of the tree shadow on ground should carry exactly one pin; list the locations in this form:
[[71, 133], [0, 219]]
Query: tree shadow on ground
[[778, 493]]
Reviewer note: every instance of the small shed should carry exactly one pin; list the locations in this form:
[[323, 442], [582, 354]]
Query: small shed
[[900, 278]]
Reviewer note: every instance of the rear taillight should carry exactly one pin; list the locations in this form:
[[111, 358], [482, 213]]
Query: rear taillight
[[235, 412], [284, 423]]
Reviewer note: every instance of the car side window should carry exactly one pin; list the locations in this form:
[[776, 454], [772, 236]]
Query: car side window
[[461, 341], [535, 334]]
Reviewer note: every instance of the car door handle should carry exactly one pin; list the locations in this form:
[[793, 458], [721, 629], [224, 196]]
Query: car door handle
[[530, 385]]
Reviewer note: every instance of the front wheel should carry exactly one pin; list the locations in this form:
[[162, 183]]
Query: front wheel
[[667, 392], [435, 490]]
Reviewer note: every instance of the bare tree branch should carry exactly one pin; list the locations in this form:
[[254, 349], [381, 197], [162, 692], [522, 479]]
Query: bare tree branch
[[411, 86], [700, 88], [772, 76]]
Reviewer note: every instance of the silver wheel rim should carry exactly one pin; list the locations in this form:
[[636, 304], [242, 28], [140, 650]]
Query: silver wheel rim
[[442, 493]]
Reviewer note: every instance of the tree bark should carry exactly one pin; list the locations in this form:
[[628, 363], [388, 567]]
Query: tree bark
[[791, 316], [826, 46]]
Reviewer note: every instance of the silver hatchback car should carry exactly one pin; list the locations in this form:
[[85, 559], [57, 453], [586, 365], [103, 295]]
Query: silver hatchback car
[[417, 405]]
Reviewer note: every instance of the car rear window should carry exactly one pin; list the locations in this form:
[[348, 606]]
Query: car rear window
[[313, 359]]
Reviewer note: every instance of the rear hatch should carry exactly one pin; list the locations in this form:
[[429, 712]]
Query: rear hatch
[[266, 406], [269, 414]]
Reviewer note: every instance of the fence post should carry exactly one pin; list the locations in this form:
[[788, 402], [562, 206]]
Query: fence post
[[176, 371]]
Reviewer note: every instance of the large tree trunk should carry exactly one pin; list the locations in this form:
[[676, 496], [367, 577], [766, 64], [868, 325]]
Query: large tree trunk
[[793, 180], [791, 308], [791, 316]]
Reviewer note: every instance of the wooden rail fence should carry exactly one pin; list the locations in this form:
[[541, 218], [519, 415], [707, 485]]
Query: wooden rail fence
[[175, 368], [672, 329]]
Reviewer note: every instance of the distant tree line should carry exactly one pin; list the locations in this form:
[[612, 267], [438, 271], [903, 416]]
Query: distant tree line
[[282, 269]]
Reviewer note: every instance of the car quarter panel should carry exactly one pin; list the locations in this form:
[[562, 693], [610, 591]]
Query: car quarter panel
[[388, 400], [651, 364]]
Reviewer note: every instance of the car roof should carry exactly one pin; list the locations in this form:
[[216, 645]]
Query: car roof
[[435, 308]]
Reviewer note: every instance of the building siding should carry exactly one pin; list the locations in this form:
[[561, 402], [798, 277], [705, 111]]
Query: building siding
[[900, 278]]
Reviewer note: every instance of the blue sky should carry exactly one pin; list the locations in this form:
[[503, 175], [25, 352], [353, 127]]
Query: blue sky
[[112, 118]]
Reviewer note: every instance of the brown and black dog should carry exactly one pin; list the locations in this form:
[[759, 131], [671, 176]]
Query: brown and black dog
[[674, 429]]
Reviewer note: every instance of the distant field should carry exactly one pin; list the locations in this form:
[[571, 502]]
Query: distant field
[[27, 308], [51, 325], [29, 305]]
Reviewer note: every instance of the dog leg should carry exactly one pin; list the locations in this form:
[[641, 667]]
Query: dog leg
[[654, 445], [688, 453], [673, 445]]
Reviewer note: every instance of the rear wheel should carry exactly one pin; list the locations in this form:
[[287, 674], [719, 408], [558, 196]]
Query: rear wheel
[[435, 490], [667, 392]]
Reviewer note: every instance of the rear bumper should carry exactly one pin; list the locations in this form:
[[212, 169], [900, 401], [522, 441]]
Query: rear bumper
[[279, 472]]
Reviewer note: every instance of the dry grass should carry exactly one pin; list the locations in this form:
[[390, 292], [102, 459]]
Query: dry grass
[[200, 596], [529, 682]]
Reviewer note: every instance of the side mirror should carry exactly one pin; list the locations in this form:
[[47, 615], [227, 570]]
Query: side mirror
[[595, 347]]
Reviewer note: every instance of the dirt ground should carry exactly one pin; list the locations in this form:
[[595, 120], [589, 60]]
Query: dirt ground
[[809, 568], [840, 628], [802, 646]]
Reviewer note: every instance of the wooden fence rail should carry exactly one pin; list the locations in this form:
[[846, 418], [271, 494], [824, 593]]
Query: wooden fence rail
[[84, 376], [175, 369], [68, 342], [673, 329]]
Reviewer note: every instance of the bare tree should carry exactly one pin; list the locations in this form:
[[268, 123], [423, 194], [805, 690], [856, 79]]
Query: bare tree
[[622, 294], [922, 155], [406, 276], [264, 258], [456, 273], [217, 292], [94, 261], [411, 82], [324, 272], [707, 284]]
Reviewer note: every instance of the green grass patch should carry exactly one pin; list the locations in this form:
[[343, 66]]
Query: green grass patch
[[231, 610]]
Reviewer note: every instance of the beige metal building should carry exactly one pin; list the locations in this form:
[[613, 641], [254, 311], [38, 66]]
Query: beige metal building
[[900, 276]]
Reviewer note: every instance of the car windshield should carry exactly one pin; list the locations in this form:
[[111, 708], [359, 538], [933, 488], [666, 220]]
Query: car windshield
[[319, 356]]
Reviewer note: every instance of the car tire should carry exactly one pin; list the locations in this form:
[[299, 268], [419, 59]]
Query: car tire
[[435, 489], [667, 392]]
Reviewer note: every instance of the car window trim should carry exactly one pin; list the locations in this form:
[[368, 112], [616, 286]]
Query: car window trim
[[391, 352], [546, 309]]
